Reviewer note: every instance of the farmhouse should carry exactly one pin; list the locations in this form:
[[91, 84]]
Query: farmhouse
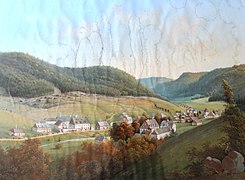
[[42, 127], [166, 123], [208, 115], [196, 121], [63, 123], [211, 115], [149, 125], [161, 133], [102, 125], [125, 117], [17, 132], [79, 124]]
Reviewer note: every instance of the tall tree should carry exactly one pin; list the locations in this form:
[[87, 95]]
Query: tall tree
[[26, 162], [228, 94], [122, 131], [235, 129]]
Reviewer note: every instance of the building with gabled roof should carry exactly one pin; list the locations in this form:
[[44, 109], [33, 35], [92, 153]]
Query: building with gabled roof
[[196, 121], [102, 125], [161, 133], [42, 127], [149, 125], [63, 123], [17, 132], [125, 117], [80, 124]]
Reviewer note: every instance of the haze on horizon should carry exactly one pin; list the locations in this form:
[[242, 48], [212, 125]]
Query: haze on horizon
[[144, 38]]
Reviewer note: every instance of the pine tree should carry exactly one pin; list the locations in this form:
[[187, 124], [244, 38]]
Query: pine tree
[[228, 94], [235, 129]]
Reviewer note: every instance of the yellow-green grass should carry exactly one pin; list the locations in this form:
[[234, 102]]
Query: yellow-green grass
[[94, 107], [67, 136], [183, 127], [48, 143], [202, 103], [10, 120], [171, 155], [12, 143], [65, 149]]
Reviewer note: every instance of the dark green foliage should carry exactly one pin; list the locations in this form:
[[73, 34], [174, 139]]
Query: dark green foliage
[[235, 129], [177, 88], [228, 94], [208, 84], [26, 76], [197, 156]]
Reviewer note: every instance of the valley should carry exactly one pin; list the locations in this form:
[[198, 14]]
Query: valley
[[63, 115]]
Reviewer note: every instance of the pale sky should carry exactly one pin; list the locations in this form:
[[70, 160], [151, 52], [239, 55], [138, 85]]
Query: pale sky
[[143, 37]]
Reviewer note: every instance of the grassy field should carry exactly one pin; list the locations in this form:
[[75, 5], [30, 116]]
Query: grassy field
[[67, 147], [10, 120], [202, 103], [171, 155], [70, 142], [95, 107]]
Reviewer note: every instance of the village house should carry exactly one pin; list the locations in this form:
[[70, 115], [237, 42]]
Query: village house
[[80, 124], [208, 115], [163, 115], [17, 132], [211, 114], [63, 123], [168, 124], [217, 114], [50, 121], [160, 133], [191, 112], [125, 117], [196, 121], [42, 127], [149, 125], [102, 125]]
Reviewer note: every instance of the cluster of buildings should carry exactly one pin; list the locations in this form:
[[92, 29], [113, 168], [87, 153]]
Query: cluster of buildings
[[61, 124], [194, 117], [150, 126], [67, 124], [157, 131]]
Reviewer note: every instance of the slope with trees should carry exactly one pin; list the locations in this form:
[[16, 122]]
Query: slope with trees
[[26, 76], [207, 84]]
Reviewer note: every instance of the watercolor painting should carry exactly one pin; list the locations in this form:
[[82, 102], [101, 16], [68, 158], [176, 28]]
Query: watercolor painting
[[122, 89]]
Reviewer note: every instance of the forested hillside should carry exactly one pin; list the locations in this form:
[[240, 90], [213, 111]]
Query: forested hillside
[[26, 76], [177, 87], [207, 84]]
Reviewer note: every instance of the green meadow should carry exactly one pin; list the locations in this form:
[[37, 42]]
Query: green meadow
[[171, 155]]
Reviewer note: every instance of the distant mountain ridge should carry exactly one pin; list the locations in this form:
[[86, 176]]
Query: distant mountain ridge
[[189, 77], [173, 88], [206, 83], [26, 76], [152, 82]]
